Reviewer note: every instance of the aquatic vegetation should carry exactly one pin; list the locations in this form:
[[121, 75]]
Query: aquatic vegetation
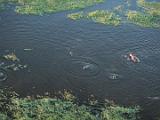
[[46, 108], [119, 113], [39, 7], [76, 16], [142, 19], [149, 5], [104, 17], [11, 57], [152, 8], [99, 16], [149, 18]]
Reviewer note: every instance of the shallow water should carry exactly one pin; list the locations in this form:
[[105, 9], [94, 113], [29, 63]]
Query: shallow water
[[83, 56]]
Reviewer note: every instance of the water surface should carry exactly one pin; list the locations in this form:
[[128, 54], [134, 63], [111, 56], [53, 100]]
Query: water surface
[[84, 56]]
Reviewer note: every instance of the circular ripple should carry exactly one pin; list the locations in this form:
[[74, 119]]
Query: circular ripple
[[82, 67], [3, 75]]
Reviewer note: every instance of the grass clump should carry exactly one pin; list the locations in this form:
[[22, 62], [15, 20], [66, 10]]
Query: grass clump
[[46, 108], [142, 19]]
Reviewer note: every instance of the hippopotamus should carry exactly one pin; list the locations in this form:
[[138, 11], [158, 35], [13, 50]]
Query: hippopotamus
[[134, 58]]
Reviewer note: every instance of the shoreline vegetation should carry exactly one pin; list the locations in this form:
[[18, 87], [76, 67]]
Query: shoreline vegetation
[[63, 107]]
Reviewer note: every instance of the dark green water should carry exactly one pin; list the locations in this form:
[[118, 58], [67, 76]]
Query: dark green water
[[84, 57]]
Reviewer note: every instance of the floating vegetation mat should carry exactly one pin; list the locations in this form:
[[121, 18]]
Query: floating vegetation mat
[[46, 108], [99, 16], [39, 7]]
